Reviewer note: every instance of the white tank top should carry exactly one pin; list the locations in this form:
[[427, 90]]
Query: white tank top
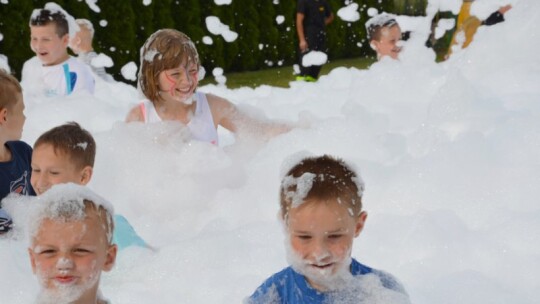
[[201, 124]]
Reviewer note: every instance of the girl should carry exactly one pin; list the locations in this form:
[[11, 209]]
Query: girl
[[168, 78]]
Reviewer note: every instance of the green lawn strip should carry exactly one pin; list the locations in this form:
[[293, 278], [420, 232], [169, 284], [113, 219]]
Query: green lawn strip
[[281, 76]]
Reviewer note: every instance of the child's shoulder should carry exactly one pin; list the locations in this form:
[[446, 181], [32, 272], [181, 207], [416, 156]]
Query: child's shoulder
[[19, 147], [386, 279], [273, 289]]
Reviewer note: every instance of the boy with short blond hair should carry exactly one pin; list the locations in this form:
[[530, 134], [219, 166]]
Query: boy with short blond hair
[[15, 155], [384, 35], [66, 154], [81, 45], [321, 208], [70, 233], [52, 72]]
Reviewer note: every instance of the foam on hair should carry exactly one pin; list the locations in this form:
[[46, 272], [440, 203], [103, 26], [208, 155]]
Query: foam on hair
[[70, 202], [322, 178], [53, 12], [377, 22]]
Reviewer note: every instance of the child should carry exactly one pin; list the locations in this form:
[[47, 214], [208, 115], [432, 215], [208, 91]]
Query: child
[[81, 45], [168, 78], [71, 244], [66, 154], [321, 208], [384, 35], [52, 72], [15, 155]]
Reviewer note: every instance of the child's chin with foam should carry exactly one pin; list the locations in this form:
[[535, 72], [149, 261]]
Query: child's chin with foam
[[325, 273], [64, 288]]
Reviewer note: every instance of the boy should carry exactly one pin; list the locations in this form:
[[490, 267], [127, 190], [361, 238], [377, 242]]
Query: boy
[[71, 244], [81, 45], [15, 155], [66, 154], [321, 208], [384, 35], [52, 72]]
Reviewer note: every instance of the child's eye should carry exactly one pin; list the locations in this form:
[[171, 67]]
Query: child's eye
[[304, 237], [335, 236], [47, 252], [36, 170], [81, 251]]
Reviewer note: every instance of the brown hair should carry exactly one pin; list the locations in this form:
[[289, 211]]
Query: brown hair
[[43, 17], [10, 89], [72, 140], [163, 50], [331, 179]]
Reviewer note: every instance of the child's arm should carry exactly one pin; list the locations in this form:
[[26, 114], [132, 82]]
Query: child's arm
[[231, 118]]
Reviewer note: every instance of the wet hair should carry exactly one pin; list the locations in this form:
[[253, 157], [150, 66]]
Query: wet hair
[[43, 17], [325, 178], [10, 90], [72, 140], [163, 50], [375, 25]]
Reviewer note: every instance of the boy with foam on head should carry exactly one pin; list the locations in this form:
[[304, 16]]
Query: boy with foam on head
[[52, 72], [384, 35], [321, 208], [70, 233], [66, 154], [81, 45], [15, 155]]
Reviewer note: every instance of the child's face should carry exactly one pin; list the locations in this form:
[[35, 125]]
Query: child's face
[[321, 236], [388, 44], [14, 119], [68, 257], [50, 168], [49, 48], [179, 84]]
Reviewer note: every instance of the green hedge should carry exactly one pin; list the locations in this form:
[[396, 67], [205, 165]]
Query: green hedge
[[129, 23]]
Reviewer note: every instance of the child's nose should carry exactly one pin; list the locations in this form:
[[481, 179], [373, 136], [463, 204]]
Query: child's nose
[[320, 251], [64, 262]]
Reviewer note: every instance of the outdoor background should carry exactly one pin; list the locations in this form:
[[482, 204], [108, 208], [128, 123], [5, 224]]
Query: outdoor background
[[123, 26]]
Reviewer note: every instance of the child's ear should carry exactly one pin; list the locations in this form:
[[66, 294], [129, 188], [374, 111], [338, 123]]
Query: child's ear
[[32, 259], [360, 222], [3, 115], [86, 175], [110, 259], [65, 40], [373, 45]]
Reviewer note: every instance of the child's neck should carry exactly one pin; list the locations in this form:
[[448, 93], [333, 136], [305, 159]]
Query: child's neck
[[5, 153], [175, 110], [60, 60]]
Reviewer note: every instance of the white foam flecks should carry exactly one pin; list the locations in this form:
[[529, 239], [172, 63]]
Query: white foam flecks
[[147, 2], [82, 145], [280, 19], [214, 26], [349, 13], [222, 2], [372, 11], [207, 40], [302, 186], [103, 23], [102, 60], [93, 6], [314, 58], [4, 63], [444, 25], [129, 71], [150, 55]]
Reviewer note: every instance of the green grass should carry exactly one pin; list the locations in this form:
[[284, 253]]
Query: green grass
[[281, 76]]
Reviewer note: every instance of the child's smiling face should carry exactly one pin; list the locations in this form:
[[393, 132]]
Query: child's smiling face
[[48, 46], [68, 256], [321, 235]]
